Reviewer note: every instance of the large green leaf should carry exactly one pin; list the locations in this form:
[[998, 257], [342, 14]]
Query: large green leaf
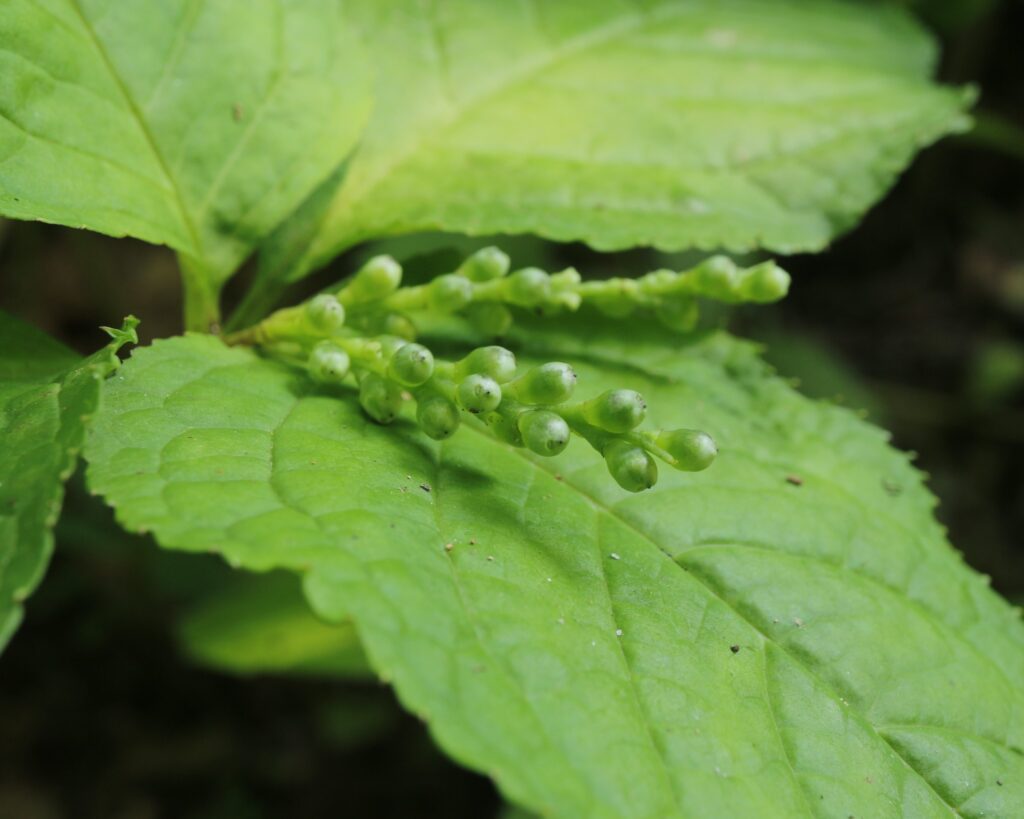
[[674, 123], [785, 635], [199, 125], [46, 395]]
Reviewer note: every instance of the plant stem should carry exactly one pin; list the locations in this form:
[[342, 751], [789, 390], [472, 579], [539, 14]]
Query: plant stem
[[202, 308]]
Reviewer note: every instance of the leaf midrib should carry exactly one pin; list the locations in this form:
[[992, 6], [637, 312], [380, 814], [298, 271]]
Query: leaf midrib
[[253, 121]]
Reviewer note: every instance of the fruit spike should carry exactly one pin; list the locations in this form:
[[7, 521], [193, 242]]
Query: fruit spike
[[361, 335]]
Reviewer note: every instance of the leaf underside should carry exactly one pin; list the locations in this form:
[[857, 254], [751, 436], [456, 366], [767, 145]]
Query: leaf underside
[[673, 123], [261, 624], [787, 634], [46, 394], [196, 125]]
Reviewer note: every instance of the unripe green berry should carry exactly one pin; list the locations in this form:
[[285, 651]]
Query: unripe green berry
[[494, 361], [479, 393], [398, 324], [387, 346], [504, 426], [716, 278], [437, 416], [325, 313], [375, 280], [376, 323], [382, 399], [450, 292], [486, 264], [551, 383], [328, 363], [691, 449], [658, 281], [563, 289], [616, 298], [544, 432], [411, 365], [632, 466], [489, 318], [529, 287], [679, 313], [615, 410], [763, 283]]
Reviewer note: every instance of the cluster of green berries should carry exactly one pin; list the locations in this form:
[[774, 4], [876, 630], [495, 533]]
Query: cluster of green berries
[[484, 290], [362, 335], [673, 296]]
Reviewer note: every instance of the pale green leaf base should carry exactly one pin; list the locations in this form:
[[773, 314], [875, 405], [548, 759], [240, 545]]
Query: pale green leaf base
[[728, 644]]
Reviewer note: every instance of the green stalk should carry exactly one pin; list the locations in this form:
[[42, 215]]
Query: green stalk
[[202, 304]]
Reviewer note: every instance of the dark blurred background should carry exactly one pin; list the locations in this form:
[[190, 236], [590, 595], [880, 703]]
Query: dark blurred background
[[917, 317]]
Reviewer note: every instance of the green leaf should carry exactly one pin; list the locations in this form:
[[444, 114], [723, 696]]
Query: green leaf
[[263, 624], [787, 634], [196, 125], [673, 123], [47, 394]]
